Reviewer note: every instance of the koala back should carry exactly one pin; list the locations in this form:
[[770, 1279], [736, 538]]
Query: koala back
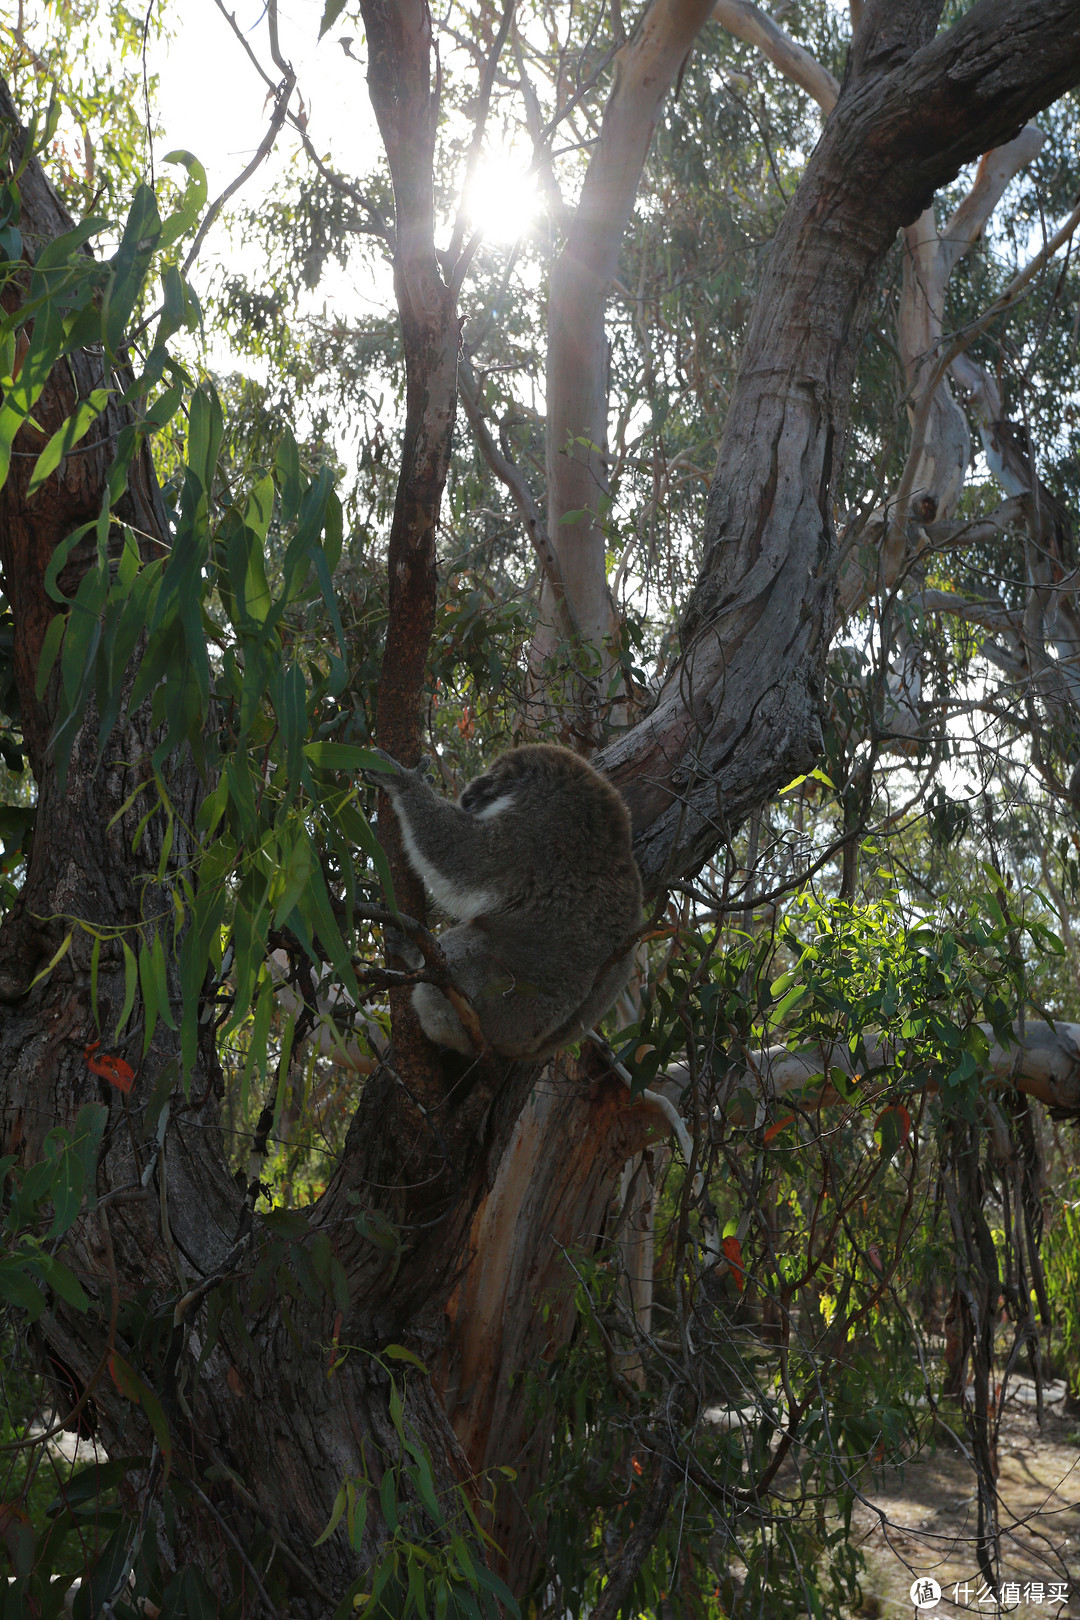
[[558, 833], [536, 861]]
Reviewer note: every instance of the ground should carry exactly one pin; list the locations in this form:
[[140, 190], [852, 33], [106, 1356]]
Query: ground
[[931, 1519]]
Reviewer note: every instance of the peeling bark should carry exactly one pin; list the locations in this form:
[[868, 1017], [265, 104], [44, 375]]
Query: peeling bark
[[941, 447], [739, 714], [278, 1432], [554, 1189]]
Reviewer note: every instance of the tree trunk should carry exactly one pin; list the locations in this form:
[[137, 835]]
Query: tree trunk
[[294, 1392], [541, 1208], [738, 715], [577, 363]]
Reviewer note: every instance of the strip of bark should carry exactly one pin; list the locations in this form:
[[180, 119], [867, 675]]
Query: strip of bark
[[739, 714]]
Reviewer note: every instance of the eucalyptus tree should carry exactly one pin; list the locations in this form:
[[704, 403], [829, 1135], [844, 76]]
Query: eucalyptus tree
[[312, 1395]]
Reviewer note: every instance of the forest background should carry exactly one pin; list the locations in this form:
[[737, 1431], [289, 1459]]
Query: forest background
[[736, 445]]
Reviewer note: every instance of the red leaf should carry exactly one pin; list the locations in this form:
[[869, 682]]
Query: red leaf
[[733, 1255], [777, 1127], [902, 1118], [122, 1376], [115, 1070]]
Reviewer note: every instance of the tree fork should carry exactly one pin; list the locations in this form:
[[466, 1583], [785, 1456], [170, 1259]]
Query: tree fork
[[738, 715]]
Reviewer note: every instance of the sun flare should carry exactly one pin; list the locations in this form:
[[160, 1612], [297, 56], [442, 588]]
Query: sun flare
[[501, 199]]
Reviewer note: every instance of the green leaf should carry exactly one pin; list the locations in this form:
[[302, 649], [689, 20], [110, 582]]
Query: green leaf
[[142, 232], [60, 952], [314, 916], [67, 434], [358, 1519], [192, 202], [331, 13], [130, 1384], [161, 978], [17, 1288], [485, 1577], [424, 1482], [260, 1030], [396, 1410], [63, 248], [260, 508], [131, 981], [90, 1483], [335, 756], [398, 1352], [50, 646], [335, 1517], [794, 995], [388, 1499], [294, 871], [64, 1282], [148, 985], [86, 1135], [288, 473]]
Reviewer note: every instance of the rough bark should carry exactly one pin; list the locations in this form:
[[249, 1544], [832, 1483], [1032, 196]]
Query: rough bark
[[279, 1432], [738, 715]]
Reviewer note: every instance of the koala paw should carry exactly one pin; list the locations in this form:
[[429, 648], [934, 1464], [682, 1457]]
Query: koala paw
[[379, 776], [392, 776]]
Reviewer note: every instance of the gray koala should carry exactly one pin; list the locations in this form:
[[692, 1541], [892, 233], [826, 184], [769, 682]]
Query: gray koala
[[535, 863]]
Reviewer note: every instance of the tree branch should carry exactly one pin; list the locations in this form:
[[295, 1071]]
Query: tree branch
[[577, 477], [739, 713], [511, 475], [1043, 1062], [749, 23]]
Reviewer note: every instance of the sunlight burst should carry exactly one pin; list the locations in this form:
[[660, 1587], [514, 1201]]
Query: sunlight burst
[[501, 199]]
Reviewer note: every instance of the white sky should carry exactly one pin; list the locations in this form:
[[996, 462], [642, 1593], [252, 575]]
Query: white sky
[[212, 101]]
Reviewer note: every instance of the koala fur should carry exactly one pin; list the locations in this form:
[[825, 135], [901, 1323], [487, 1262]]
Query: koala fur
[[535, 863]]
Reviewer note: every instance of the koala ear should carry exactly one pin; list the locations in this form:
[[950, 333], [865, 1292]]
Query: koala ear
[[480, 793]]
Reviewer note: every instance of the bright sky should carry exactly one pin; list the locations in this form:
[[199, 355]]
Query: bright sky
[[212, 101]]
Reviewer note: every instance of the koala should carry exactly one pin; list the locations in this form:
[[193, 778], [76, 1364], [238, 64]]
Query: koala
[[534, 861]]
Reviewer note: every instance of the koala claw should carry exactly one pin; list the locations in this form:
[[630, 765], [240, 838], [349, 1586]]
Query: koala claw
[[377, 778], [424, 770]]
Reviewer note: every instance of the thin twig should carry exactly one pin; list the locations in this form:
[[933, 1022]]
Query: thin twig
[[266, 146], [379, 226], [483, 107]]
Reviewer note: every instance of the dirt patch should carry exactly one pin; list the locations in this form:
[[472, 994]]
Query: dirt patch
[[931, 1519]]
